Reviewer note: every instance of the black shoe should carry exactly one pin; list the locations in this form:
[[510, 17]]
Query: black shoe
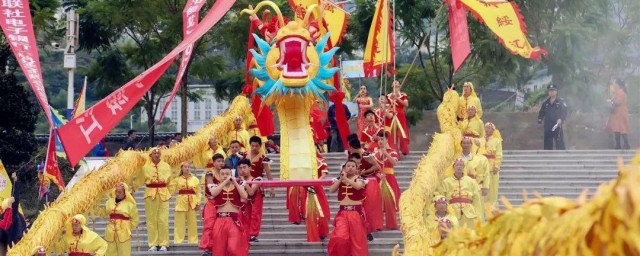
[[370, 237], [206, 254], [253, 239], [296, 223], [322, 238]]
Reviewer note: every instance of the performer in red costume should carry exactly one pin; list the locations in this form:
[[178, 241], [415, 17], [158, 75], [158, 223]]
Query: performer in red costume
[[387, 158], [210, 179], [348, 236], [384, 114], [372, 206], [251, 220], [365, 103], [398, 101], [316, 211], [370, 132], [228, 231], [259, 165]]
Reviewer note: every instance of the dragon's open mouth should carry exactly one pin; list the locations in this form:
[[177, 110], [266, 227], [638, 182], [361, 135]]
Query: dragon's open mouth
[[293, 57]]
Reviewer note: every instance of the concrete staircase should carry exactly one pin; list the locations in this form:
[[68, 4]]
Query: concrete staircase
[[552, 173]]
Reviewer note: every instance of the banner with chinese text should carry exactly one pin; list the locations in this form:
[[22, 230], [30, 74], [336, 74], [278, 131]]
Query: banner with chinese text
[[15, 20], [190, 17], [506, 22], [83, 132]]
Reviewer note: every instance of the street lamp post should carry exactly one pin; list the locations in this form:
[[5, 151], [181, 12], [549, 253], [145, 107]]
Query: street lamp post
[[70, 56]]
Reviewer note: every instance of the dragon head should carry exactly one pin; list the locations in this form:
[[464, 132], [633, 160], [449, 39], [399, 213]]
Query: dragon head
[[291, 63]]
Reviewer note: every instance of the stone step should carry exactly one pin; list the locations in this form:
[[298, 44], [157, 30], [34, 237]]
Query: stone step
[[276, 252]]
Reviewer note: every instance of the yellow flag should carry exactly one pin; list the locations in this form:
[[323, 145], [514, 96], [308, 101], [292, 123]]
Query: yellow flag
[[5, 183], [380, 49], [80, 103], [506, 22], [335, 18]]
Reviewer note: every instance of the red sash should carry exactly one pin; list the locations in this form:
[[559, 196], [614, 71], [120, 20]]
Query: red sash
[[186, 192], [460, 200], [355, 208], [79, 254], [157, 185], [471, 135], [233, 215], [117, 216], [490, 156]]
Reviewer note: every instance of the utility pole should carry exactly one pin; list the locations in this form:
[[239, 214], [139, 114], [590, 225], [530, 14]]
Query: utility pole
[[70, 56]]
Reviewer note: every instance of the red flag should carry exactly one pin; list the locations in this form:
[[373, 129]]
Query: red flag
[[190, 17], [15, 20], [51, 168], [83, 132], [458, 34]]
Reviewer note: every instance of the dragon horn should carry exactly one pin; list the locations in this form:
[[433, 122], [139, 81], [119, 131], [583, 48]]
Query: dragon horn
[[312, 9], [262, 4]]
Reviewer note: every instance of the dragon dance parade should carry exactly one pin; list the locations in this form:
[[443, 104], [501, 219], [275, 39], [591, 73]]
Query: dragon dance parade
[[361, 127]]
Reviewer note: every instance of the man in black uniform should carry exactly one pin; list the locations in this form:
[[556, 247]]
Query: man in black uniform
[[553, 112]]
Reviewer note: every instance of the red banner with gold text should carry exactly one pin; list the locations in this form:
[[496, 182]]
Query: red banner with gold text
[[190, 17], [83, 132], [15, 20]]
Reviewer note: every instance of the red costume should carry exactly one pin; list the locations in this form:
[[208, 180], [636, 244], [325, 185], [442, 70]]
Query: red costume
[[254, 211], [317, 213], [349, 236], [389, 188], [399, 127], [372, 204], [228, 233], [256, 202], [362, 120], [368, 137], [209, 212]]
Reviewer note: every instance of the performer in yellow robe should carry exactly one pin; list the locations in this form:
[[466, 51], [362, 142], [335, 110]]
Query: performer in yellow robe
[[157, 177], [122, 210], [187, 186], [461, 191], [468, 98], [82, 241], [238, 133], [203, 160], [491, 148], [439, 217], [476, 167], [472, 126]]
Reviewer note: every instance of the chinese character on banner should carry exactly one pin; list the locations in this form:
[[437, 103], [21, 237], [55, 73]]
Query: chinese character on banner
[[504, 21], [15, 20], [190, 19]]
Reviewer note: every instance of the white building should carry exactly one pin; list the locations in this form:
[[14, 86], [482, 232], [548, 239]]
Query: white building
[[198, 113]]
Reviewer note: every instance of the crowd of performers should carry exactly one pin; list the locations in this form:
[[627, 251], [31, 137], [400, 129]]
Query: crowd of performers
[[231, 208], [468, 193]]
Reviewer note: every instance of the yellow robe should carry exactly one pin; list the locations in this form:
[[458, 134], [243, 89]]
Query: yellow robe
[[185, 208], [156, 203], [473, 126], [465, 188], [240, 135], [201, 160], [118, 232], [433, 223], [493, 150], [87, 242], [477, 168], [464, 103]]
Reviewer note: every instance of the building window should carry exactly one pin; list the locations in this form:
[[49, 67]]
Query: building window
[[174, 115], [196, 114], [219, 108], [207, 109]]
